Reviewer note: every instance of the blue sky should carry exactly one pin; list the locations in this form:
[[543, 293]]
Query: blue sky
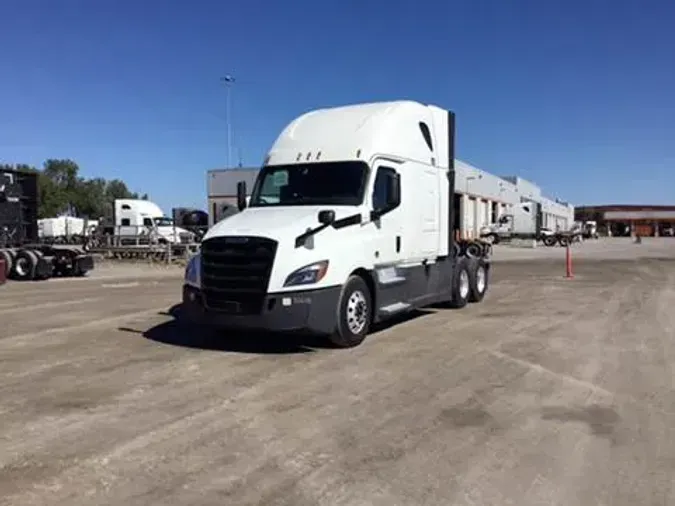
[[578, 96]]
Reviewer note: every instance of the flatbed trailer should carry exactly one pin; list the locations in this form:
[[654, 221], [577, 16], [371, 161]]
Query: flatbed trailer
[[22, 257]]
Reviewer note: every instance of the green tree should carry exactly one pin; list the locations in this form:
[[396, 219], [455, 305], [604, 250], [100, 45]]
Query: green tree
[[61, 188]]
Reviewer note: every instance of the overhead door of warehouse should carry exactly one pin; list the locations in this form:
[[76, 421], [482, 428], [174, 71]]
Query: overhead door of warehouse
[[485, 213], [644, 230], [470, 218]]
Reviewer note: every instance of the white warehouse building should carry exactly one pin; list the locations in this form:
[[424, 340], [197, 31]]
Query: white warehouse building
[[483, 197]]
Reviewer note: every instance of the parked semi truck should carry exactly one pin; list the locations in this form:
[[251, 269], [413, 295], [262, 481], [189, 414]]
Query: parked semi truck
[[350, 222], [134, 217], [24, 258], [524, 221]]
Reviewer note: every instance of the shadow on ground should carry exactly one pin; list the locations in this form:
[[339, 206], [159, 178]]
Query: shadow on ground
[[176, 333]]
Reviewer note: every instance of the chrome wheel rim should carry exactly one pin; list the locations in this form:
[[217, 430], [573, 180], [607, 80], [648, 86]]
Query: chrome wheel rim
[[463, 284], [21, 266], [357, 312], [481, 279]]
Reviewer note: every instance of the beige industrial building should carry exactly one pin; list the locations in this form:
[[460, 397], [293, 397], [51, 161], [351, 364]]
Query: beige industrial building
[[484, 197]]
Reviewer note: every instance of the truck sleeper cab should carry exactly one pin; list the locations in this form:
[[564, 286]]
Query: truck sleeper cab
[[349, 223]]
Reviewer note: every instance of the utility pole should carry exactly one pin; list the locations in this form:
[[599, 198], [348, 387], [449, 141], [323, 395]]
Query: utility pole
[[228, 80]]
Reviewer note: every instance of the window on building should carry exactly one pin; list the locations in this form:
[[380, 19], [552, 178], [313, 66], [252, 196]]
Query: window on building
[[126, 222]]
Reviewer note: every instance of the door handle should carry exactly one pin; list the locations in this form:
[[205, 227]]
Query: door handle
[[398, 244]]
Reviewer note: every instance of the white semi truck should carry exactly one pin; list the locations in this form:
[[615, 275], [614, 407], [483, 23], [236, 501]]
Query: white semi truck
[[350, 222], [134, 217]]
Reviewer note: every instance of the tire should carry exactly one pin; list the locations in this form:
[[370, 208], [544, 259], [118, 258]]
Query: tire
[[479, 280], [39, 256], [549, 240], [564, 241], [25, 264], [9, 262], [461, 285], [473, 250], [354, 314]]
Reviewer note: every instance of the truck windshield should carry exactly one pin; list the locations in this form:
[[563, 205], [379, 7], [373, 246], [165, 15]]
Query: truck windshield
[[163, 221], [324, 183]]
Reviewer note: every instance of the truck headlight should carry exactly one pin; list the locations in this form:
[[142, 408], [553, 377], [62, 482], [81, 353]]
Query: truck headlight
[[307, 275], [193, 271]]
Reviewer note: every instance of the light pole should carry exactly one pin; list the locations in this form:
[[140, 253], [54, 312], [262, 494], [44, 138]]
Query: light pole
[[228, 80]]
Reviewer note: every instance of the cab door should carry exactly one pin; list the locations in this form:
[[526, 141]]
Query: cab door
[[387, 245], [386, 216]]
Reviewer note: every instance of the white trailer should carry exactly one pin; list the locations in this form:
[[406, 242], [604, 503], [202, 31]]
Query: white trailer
[[350, 222], [65, 229]]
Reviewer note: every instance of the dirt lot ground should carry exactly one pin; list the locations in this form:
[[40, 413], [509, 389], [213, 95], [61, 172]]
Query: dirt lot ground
[[553, 391]]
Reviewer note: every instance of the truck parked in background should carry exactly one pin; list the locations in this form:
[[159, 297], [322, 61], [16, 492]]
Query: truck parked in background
[[350, 222], [135, 219], [590, 230], [524, 222], [24, 257]]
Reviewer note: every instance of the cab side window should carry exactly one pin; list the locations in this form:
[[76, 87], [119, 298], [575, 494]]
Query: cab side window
[[382, 186]]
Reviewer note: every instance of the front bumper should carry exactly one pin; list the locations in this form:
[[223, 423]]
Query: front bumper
[[313, 311]]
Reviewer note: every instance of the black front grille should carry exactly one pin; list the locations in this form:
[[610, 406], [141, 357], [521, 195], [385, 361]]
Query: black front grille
[[235, 273]]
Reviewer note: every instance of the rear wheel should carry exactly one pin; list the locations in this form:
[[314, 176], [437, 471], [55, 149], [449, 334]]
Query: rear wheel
[[25, 265], [354, 314], [479, 280], [461, 285], [9, 262]]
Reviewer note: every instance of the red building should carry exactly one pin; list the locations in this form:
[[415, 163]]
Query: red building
[[625, 220]]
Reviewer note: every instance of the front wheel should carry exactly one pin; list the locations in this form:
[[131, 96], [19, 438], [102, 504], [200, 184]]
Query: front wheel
[[549, 240], [354, 314]]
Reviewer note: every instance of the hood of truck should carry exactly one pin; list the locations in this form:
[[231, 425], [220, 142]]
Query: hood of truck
[[278, 223], [346, 248], [167, 231]]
